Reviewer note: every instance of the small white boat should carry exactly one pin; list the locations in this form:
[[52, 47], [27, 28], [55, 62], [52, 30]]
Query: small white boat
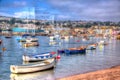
[[31, 40], [30, 44], [102, 42], [52, 42], [42, 75], [52, 38], [33, 67], [39, 57], [91, 47]]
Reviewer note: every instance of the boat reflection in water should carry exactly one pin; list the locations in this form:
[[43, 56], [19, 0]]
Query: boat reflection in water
[[43, 75]]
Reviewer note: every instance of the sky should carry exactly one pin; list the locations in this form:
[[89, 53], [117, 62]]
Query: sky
[[89, 10]]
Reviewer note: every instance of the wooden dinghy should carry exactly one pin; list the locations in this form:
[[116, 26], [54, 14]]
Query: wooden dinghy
[[42, 75], [33, 67], [30, 44], [39, 57]]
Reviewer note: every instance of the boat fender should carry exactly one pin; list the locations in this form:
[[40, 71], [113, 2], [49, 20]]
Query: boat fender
[[58, 57], [53, 52]]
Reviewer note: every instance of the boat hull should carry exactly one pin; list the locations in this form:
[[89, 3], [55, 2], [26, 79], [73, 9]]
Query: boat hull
[[38, 57], [32, 68], [67, 51], [31, 44]]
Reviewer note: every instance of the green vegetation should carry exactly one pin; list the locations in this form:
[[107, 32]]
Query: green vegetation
[[69, 24]]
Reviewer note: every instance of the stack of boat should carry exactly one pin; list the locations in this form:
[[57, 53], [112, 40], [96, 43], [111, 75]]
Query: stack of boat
[[41, 62]]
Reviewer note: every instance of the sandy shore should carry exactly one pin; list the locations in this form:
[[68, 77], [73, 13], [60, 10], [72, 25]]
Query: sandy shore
[[106, 74]]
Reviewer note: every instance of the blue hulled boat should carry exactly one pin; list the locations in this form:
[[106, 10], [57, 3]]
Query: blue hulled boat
[[73, 50], [39, 57]]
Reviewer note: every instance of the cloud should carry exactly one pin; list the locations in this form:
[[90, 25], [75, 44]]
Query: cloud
[[66, 9], [89, 9], [24, 14], [16, 3], [4, 14]]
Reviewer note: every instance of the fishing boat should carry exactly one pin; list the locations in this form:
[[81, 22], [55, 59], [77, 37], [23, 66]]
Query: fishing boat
[[30, 44], [22, 38], [33, 67], [27, 38], [39, 57], [8, 36], [73, 50], [49, 74], [30, 39]]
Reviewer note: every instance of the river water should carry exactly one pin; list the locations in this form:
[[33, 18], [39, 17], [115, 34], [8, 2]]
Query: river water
[[101, 58]]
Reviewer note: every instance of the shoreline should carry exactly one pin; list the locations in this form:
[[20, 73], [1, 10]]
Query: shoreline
[[112, 73]]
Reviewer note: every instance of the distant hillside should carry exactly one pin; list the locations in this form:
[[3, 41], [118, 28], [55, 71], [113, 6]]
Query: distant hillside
[[86, 24]]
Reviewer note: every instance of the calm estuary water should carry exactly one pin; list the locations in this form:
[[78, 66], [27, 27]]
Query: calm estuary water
[[103, 57]]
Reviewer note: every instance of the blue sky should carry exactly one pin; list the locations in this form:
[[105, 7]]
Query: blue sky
[[95, 10]]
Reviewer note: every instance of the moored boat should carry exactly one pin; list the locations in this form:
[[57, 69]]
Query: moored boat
[[33, 76], [118, 37], [102, 42], [8, 36], [73, 50], [31, 39], [91, 47], [39, 57], [33, 67], [52, 42], [30, 44], [27, 38]]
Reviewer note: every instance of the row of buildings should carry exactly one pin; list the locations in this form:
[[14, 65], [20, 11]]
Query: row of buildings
[[58, 27]]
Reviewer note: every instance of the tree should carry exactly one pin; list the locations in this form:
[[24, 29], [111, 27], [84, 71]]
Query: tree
[[12, 21], [37, 23], [19, 21]]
